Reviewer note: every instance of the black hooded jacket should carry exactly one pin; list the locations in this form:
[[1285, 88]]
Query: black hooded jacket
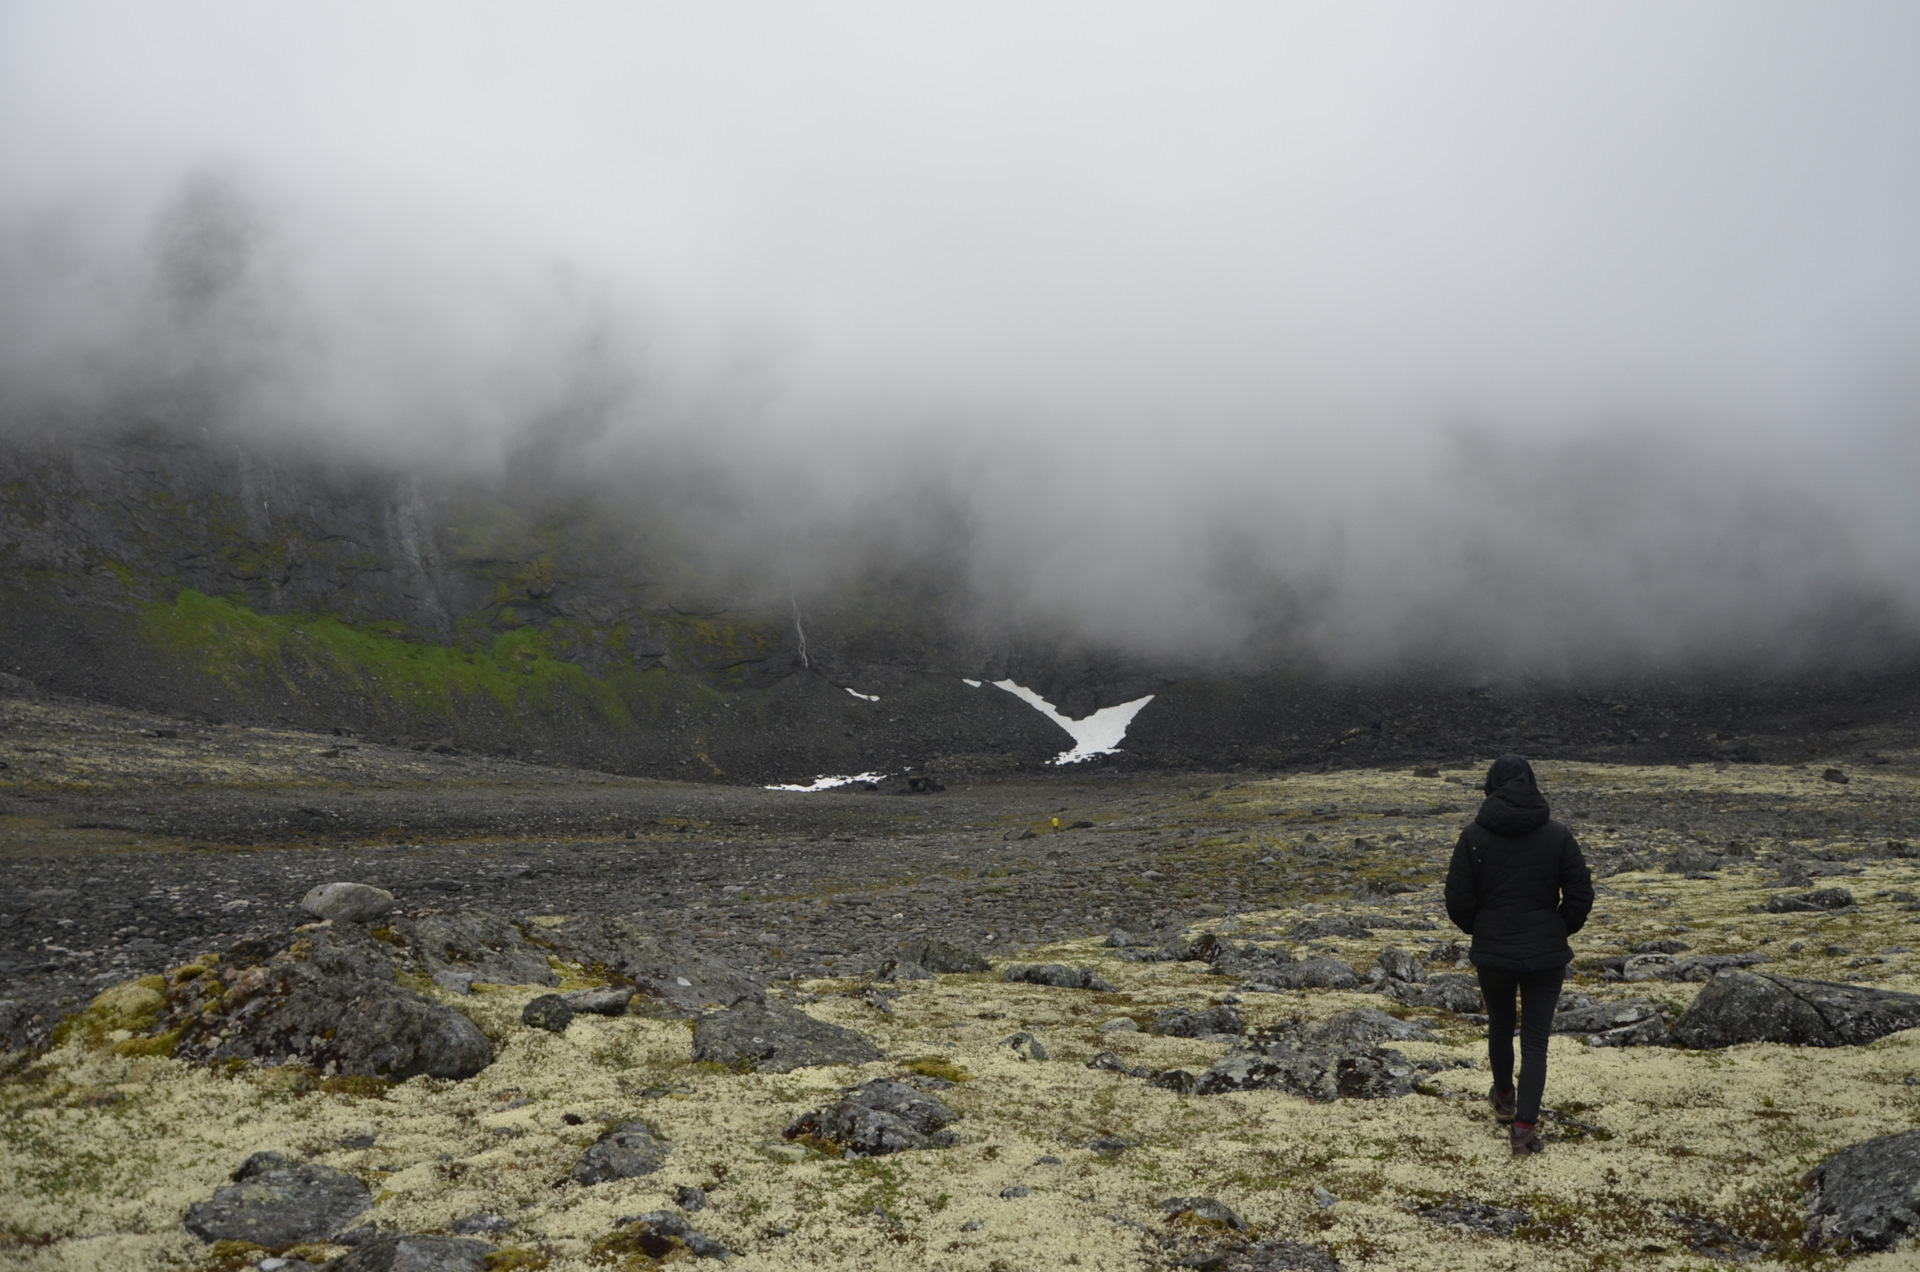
[[1518, 882]]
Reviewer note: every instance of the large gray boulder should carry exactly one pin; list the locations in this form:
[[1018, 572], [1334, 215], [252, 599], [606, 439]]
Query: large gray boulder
[[329, 1000], [1362, 1026], [347, 902], [1867, 1196], [774, 1038], [405, 1252], [878, 1118], [626, 1151], [1737, 1006], [274, 1202]]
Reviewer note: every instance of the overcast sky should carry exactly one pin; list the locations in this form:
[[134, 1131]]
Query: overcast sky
[[1181, 300]]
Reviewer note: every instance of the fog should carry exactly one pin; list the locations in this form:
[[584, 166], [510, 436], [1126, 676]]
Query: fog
[[1562, 340]]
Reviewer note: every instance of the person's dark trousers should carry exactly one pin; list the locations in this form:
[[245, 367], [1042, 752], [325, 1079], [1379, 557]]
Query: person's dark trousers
[[1539, 994]]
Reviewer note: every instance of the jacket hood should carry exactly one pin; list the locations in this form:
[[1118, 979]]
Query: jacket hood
[[1514, 804]]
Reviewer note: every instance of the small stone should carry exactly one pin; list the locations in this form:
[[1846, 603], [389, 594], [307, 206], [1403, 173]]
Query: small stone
[[1205, 1210], [1119, 1024], [1047, 1160], [609, 1001], [1322, 1198], [549, 1012], [347, 902], [972, 1225], [275, 1202], [878, 1118], [626, 1151], [1015, 1191], [1025, 1045], [690, 1198], [1107, 1146], [895, 969], [481, 1223], [454, 982]]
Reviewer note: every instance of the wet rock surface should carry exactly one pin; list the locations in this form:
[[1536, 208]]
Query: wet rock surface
[[275, 1202], [626, 1151], [878, 1118], [774, 1038], [1866, 1197], [1737, 1006]]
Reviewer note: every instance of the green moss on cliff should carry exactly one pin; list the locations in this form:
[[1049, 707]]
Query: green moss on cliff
[[243, 649]]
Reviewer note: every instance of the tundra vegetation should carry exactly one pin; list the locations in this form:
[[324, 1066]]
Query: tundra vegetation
[[1658, 1156]]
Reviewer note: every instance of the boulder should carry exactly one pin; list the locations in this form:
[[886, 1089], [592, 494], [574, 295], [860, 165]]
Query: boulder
[[1867, 1196], [1058, 975], [475, 943], [1635, 1023], [549, 1012], [1737, 1006], [630, 950], [610, 1001], [898, 969], [1313, 973], [1362, 1026], [1397, 965], [405, 1252], [1188, 1022], [878, 1118], [1705, 967], [626, 1151], [274, 1202], [347, 902], [329, 1001], [1819, 899], [1298, 1066], [943, 956], [1457, 994], [774, 1038], [1025, 1045]]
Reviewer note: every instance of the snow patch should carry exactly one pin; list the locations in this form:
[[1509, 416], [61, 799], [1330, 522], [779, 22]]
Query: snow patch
[[870, 697], [1098, 734], [971, 684], [828, 783]]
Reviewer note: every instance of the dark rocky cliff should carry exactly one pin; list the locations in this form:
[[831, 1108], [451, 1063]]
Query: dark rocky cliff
[[194, 575]]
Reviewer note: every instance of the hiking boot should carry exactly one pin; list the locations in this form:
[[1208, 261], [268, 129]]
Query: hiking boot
[[1524, 1140], [1506, 1104]]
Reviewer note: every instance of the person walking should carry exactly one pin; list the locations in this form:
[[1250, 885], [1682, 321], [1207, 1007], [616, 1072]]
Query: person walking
[[1520, 886]]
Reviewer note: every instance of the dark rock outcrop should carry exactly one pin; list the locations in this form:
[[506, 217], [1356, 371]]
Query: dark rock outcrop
[[878, 1118], [1737, 1006], [626, 1151], [1634, 1023], [274, 1202], [1803, 902], [1866, 1196], [774, 1038], [328, 1000], [629, 950], [476, 943]]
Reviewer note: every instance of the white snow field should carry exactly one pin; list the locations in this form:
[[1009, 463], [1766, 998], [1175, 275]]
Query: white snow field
[[828, 783], [1098, 734]]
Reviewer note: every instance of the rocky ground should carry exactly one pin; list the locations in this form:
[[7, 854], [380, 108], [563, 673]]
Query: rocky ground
[[1081, 1119]]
